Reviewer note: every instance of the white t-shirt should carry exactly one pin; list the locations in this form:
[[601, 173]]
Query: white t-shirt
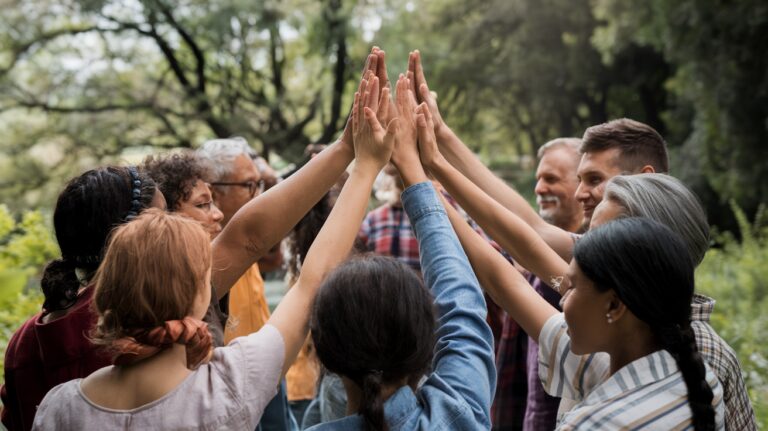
[[228, 393]]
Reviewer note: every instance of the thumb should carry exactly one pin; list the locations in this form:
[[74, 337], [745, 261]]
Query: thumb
[[370, 116], [392, 128]]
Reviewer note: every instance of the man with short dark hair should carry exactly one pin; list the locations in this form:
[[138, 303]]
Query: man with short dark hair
[[618, 147]]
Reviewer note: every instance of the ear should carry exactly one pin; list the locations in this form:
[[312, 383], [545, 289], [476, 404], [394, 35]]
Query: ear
[[615, 308], [647, 169]]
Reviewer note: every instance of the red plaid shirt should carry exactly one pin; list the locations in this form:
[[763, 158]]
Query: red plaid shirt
[[387, 231]]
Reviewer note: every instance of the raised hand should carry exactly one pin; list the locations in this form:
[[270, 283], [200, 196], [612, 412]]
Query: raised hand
[[405, 147], [428, 152], [371, 65], [421, 90], [372, 143]]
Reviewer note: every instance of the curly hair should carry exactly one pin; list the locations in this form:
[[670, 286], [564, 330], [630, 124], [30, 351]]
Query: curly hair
[[175, 174]]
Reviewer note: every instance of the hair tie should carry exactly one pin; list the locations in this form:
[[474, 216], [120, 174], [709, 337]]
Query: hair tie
[[135, 194], [190, 332]]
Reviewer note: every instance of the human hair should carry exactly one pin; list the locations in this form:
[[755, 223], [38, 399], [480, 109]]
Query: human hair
[[176, 175], [649, 268], [304, 233], [665, 199], [570, 143], [152, 272], [87, 210], [221, 154], [373, 322], [638, 144]]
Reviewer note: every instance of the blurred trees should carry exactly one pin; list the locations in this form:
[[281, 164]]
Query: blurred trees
[[82, 80], [90, 78]]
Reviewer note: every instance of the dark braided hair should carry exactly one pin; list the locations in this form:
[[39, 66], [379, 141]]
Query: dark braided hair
[[651, 271], [381, 308], [90, 206]]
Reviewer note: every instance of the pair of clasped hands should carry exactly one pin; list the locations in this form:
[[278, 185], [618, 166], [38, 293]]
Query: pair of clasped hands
[[401, 130]]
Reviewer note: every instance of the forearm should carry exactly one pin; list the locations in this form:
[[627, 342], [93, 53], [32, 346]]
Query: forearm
[[264, 221], [330, 247], [506, 228], [500, 279]]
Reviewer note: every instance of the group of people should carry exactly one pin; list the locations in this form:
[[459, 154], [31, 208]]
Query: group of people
[[580, 316]]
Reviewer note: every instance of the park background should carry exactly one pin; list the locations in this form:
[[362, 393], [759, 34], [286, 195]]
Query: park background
[[90, 82]]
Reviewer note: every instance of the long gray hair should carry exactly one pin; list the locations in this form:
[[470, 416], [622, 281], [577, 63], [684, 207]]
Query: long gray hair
[[666, 200]]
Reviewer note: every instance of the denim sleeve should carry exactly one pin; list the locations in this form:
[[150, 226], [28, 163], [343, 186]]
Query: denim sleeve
[[464, 350]]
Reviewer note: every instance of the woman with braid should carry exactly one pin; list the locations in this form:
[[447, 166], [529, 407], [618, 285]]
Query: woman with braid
[[52, 347]]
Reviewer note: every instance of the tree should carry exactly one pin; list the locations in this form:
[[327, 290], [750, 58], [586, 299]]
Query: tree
[[94, 77]]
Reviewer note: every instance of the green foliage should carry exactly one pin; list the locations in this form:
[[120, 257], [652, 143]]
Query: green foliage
[[24, 247], [736, 275]]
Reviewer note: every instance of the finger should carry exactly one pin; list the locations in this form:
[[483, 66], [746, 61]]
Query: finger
[[374, 64], [419, 70], [373, 122], [355, 112], [424, 93], [383, 110], [382, 70], [402, 93], [373, 91], [392, 129], [360, 99], [412, 66], [427, 113]]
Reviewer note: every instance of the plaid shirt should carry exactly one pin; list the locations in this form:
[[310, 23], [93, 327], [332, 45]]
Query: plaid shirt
[[387, 231], [721, 357]]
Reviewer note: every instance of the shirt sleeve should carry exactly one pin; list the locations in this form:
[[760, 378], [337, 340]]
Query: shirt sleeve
[[464, 350], [253, 366], [563, 373]]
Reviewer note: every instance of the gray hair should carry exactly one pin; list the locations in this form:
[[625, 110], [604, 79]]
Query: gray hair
[[666, 200], [570, 143], [221, 154]]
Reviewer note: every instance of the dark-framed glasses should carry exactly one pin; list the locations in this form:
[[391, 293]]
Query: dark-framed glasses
[[253, 186]]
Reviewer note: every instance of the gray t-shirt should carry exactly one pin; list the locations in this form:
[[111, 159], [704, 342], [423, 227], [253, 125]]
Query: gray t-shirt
[[228, 393]]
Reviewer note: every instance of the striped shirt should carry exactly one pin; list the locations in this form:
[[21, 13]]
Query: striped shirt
[[648, 393]]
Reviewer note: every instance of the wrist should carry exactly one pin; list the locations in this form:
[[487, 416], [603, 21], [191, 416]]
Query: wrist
[[343, 149]]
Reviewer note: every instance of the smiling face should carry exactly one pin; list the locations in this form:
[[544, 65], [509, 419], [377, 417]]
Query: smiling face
[[585, 310], [605, 211], [231, 198], [556, 184], [199, 206], [594, 171]]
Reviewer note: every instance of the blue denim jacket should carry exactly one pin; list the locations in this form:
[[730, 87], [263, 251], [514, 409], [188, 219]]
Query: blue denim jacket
[[457, 394]]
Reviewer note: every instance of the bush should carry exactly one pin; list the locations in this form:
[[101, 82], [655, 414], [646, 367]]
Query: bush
[[736, 275], [25, 246]]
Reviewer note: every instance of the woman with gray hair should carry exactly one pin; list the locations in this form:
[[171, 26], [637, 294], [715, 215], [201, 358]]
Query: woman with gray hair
[[662, 198]]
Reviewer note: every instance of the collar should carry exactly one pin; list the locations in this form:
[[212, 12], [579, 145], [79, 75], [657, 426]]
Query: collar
[[649, 369], [397, 409], [701, 308]]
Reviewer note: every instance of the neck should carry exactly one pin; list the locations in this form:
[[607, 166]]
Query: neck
[[643, 344], [355, 393]]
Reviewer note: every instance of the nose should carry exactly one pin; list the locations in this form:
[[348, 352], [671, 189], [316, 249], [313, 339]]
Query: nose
[[582, 192], [541, 187], [216, 213]]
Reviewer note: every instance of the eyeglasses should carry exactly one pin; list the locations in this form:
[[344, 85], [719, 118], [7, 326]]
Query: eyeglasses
[[253, 186]]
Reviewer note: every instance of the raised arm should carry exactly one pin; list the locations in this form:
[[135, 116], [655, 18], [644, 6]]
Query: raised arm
[[464, 351], [501, 280], [463, 159], [265, 220], [505, 227], [373, 146]]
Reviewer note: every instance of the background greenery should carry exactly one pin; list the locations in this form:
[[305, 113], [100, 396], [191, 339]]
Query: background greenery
[[89, 82]]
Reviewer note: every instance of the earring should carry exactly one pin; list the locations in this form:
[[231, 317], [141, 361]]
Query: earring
[[609, 318]]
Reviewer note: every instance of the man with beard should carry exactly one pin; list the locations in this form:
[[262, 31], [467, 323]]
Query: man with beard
[[520, 398]]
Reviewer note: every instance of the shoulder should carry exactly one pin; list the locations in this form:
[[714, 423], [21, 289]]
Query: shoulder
[[59, 402], [22, 345], [252, 365]]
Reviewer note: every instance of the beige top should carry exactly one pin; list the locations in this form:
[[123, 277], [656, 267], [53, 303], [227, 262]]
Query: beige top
[[228, 393]]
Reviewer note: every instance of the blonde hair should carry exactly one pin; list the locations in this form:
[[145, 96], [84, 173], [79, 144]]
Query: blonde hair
[[152, 272]]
